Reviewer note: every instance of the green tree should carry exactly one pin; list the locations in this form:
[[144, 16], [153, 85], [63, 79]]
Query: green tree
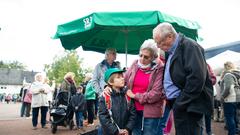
[[69, 62], [12, 65]]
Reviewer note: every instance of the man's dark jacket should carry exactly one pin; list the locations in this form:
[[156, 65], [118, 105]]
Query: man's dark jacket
[[188, 71]]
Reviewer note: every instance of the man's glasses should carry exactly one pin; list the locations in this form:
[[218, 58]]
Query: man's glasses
[[162, 41], [144, 56]]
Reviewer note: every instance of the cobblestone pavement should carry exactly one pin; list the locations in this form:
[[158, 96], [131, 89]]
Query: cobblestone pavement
[[12, 124]]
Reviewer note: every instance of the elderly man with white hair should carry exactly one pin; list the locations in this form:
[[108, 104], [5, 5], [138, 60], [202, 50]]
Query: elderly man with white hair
[[186, 81], [98, 74], [98, 82]]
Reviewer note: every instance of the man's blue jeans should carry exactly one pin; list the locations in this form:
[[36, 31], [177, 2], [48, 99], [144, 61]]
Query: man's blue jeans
[[230, 110], [207, 121]]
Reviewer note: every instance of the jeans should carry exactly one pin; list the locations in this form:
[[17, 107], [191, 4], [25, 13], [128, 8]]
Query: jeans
[[28, 109], [100, 131], [35, 111], [79, 119], [150, 126], [138, 128], [23, 109], [230, 110], [163, 120], [207, 121]]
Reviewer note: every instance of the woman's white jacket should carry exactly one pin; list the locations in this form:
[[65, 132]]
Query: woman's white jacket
[[39, 94]]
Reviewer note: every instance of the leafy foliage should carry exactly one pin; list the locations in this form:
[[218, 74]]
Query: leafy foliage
[[12, 65], [68, 62]]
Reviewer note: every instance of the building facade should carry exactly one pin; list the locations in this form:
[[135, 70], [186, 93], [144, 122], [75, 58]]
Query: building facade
[[11, 80]]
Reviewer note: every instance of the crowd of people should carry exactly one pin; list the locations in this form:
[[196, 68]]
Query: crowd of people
[[150, 95], [9, 97]]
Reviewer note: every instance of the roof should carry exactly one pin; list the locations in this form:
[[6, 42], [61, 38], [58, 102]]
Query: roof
[[15, 76], [211, 52]]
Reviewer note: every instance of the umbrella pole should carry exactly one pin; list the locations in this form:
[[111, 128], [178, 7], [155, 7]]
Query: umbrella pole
[[126, 46]]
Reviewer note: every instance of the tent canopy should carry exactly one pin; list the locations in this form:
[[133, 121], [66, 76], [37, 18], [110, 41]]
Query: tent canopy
[[211, 52], [219, 60]]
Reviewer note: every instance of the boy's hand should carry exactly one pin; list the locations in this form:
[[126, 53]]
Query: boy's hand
[[130, 94], [107, 91]]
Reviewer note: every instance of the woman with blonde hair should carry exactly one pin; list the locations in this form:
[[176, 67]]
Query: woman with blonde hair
[[69, 86], [227, 67], [68, 83], [230, 96]]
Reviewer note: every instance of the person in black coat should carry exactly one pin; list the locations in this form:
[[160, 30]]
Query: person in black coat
[[117, 115], [186, 81]]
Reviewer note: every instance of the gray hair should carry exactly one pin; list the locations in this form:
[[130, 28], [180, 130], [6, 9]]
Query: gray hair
[[88, 76], [164, 29], [110, 50], [150, 45], [39, 77]]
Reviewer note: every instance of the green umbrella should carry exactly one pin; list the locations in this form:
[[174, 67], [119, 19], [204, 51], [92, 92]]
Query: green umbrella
[[124, 31]]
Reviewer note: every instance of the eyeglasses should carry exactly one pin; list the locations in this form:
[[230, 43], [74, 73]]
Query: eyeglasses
[[162, 41], [144, 56]]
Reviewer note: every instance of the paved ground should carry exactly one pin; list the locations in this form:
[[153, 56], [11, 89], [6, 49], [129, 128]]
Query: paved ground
[[12, 124]]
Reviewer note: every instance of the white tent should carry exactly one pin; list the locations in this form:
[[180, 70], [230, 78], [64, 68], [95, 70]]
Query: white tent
[[218, 61]]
